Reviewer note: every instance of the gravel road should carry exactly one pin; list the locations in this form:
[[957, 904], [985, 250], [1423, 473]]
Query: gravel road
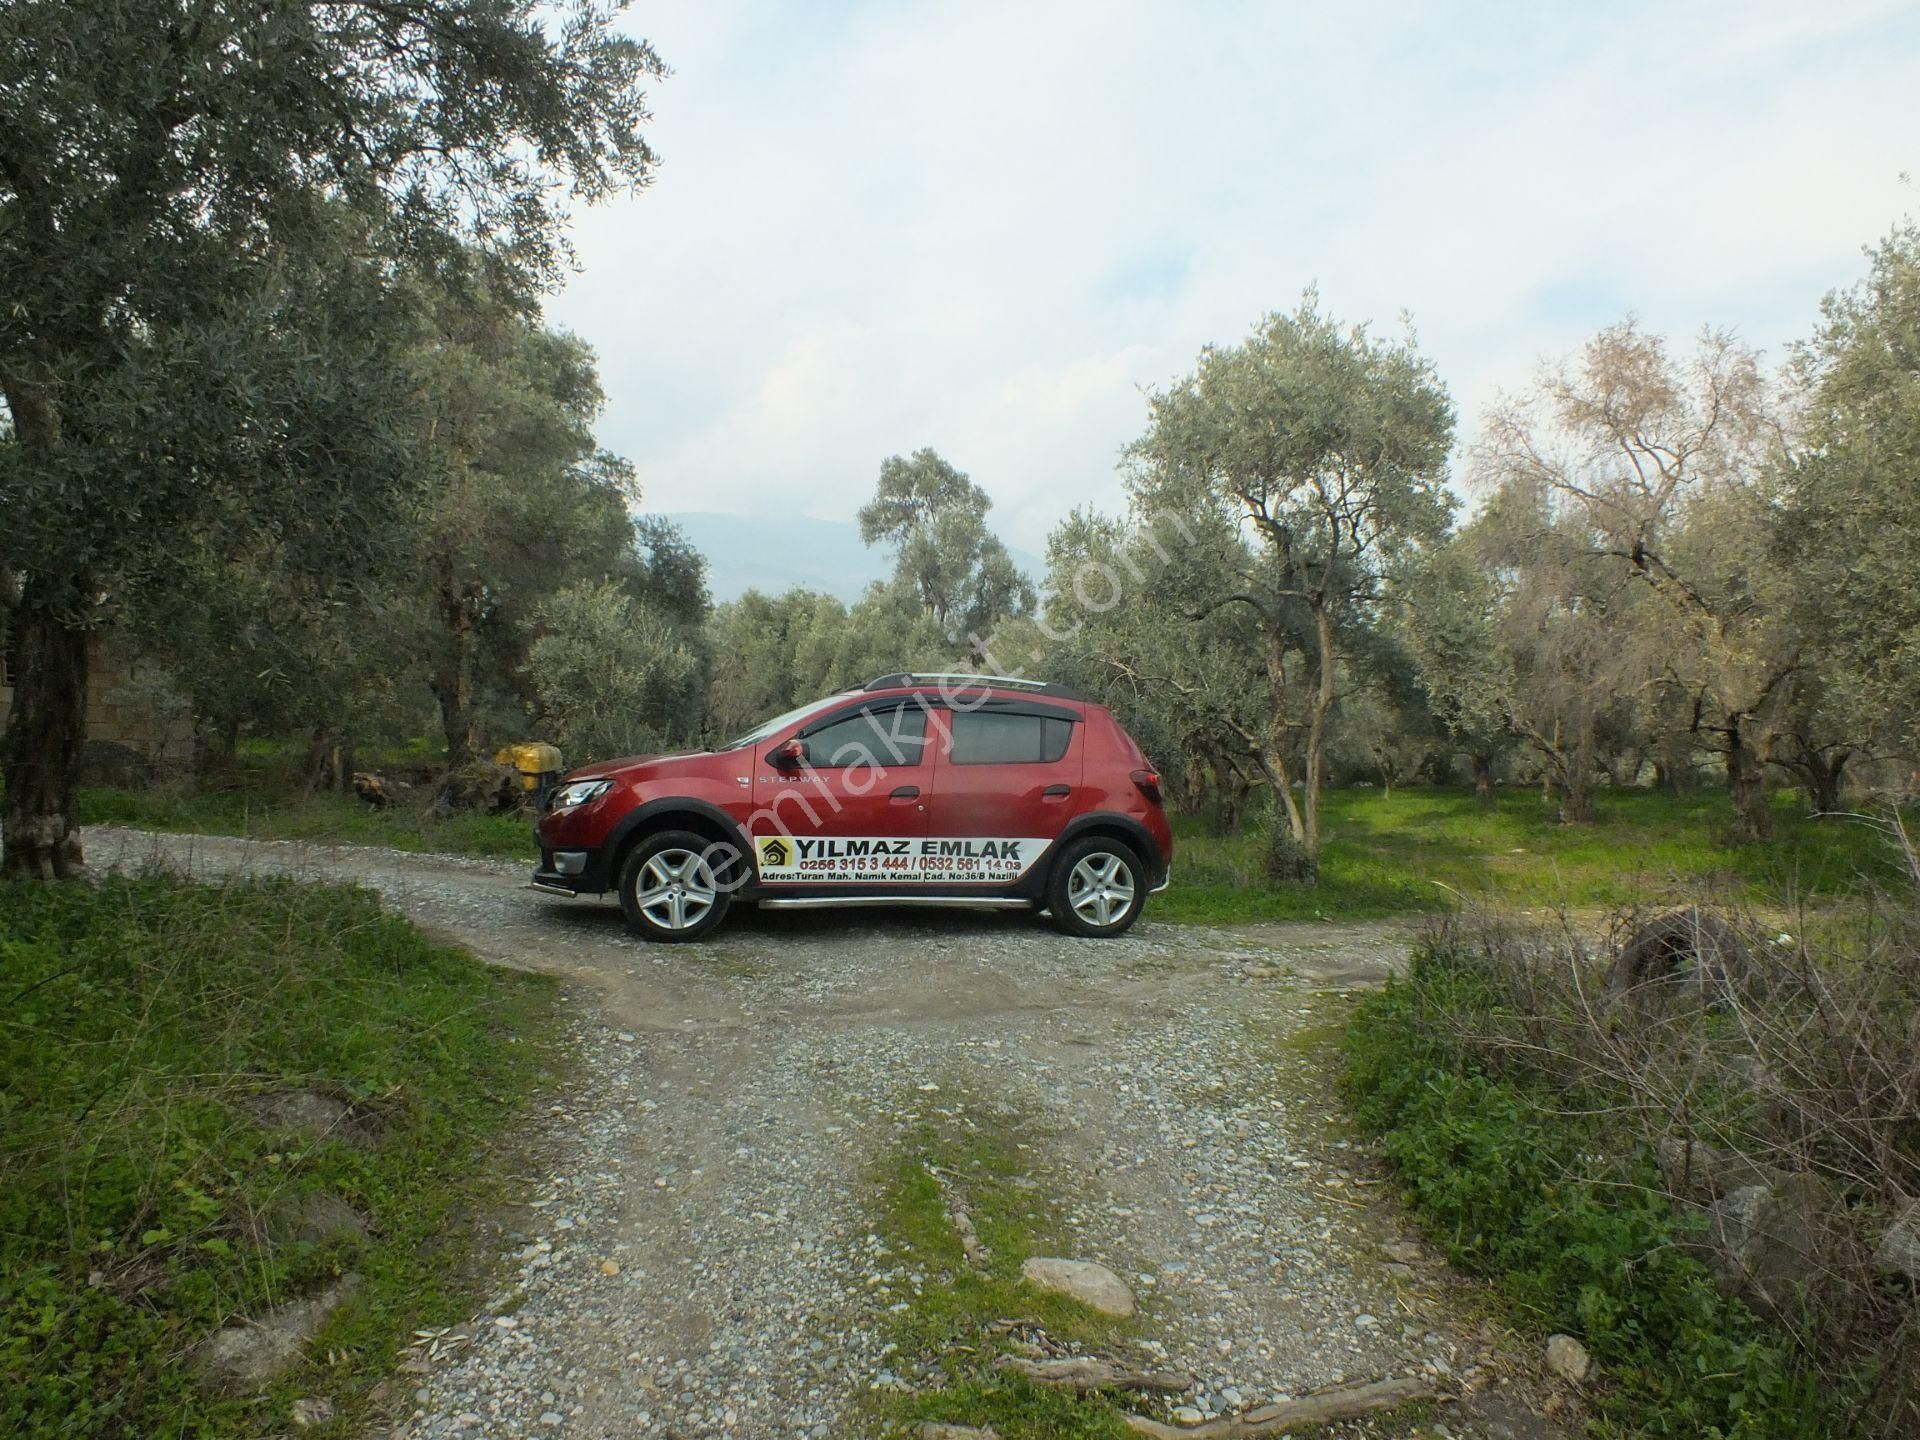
[[694, 1259]]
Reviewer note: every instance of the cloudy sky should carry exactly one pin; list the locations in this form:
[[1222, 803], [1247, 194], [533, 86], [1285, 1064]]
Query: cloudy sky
[[985, 227]]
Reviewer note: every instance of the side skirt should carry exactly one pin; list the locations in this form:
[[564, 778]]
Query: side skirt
[[949, 902]]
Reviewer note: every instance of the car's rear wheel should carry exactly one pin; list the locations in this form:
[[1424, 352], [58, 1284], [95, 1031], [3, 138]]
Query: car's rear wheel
[[1097, 888], [672, 887]]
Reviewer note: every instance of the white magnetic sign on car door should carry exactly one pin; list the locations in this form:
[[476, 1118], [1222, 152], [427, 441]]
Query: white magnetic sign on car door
[[852, 859]]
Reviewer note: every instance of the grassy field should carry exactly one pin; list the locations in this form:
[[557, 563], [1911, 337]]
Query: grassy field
[[259, 792], [150, 1190], [1413, 851], [1424, 849], [325, 817]]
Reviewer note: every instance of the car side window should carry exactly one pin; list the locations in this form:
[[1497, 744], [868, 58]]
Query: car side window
[[987, 738], [893, 736]]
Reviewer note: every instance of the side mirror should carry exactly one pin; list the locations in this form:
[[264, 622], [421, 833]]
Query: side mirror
[[790, 755]]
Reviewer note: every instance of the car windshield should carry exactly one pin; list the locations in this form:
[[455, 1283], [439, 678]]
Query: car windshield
[[779, 723]]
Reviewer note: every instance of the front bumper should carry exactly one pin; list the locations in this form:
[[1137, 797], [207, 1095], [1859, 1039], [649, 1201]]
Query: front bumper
[[571, 872]]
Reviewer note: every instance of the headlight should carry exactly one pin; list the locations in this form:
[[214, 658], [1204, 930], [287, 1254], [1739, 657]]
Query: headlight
[[579, 792]]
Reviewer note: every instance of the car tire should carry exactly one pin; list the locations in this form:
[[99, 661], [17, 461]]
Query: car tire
[[672, 887], [1098, 888]]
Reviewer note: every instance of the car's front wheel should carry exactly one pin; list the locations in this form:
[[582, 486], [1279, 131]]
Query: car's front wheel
[[1097, 888], [672, 887]]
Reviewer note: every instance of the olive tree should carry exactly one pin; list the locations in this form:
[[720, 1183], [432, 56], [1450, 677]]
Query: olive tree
[[1327, 446], [1655, 466], [1851, 531], [1195, 696], [613, 674], [517, 500], [1566, 630], [200, 206], [935, 519], [1447, 611]]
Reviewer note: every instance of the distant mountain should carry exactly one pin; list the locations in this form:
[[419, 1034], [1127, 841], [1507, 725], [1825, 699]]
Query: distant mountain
[[772, 553]]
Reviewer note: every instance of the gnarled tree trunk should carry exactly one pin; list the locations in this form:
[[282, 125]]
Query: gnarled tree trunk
[[329, 761], [1746, 781], [1567, 773], [47, 727], [453, 676], [40, 754], [1323, 695], [1821, 775], [1274, 760], [1823, 786], [1482, 776]]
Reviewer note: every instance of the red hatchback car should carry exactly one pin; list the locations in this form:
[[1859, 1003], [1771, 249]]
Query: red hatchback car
[[969, 790]]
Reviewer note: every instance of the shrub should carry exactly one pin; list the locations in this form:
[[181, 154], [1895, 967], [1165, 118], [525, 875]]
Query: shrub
[[614, 675], [1522, 1113]]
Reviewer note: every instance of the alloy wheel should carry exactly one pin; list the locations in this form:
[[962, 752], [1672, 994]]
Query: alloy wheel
[[676, 889], [1100, 889]]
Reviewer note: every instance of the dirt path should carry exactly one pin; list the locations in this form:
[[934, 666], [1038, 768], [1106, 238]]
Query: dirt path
[[695, 1258]]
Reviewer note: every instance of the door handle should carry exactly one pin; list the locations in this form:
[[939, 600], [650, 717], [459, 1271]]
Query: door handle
[[906, 792], [1056, 791]]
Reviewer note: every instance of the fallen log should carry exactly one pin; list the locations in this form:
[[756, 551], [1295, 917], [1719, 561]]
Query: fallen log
[[1321, 1409], [1086, 1373]]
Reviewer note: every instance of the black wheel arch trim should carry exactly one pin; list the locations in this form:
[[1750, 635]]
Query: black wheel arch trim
[[639, 817], [1137, 835]]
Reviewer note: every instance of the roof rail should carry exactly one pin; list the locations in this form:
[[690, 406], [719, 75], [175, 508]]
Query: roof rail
[[912, 677]]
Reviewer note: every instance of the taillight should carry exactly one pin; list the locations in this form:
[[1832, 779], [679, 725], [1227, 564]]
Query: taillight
[[1149, 783]]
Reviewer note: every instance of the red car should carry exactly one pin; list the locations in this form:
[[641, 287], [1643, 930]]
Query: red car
[[971, 790]]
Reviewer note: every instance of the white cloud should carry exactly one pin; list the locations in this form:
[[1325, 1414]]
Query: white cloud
[[984, 227]]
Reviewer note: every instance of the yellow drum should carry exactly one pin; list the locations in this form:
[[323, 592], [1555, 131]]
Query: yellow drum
[[537, 762]]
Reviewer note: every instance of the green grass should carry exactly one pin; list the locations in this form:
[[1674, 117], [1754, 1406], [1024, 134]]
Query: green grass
[[1415, 851], [139, 1019], [1422, 849], [323, 818], [945, 1323], [259, 792]]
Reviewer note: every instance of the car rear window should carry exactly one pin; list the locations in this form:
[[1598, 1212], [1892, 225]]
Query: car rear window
[[986, 738]]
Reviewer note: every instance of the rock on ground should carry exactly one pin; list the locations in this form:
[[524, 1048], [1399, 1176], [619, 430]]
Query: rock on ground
[[1569, 1359], [255, 1352], [1898, 1252], [1766, 1237], [1089, 1283], [308, 1413]]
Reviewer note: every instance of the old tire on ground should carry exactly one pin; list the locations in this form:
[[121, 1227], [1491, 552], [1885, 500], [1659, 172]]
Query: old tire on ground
[[1097, 887], [672, 887], [1692, 949]]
